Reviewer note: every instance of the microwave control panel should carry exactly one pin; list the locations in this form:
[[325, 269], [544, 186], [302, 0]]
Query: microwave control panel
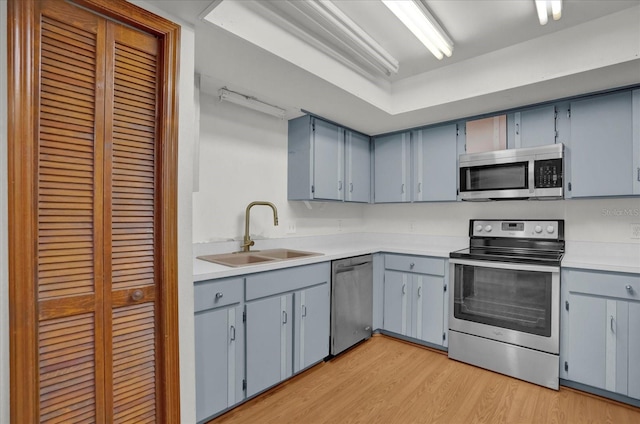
[[548, 173]]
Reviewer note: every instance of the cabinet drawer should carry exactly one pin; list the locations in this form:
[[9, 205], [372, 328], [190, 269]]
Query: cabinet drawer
[[216, 293], [286, 280], [417, 264], [616, 285]]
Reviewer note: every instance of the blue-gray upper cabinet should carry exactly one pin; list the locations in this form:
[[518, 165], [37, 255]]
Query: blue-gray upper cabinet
[[357, 167], [604, 146], [392, 168], [219, 346], [600, 334], [327, 162], [531, 127], [434, 163]]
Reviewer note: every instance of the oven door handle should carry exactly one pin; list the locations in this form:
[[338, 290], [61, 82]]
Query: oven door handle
[[505, 265]]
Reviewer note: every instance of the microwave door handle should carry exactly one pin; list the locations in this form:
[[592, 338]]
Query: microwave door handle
[[532, 182]]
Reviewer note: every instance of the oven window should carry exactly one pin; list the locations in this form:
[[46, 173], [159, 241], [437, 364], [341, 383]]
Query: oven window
[[505, 298], [508, 176]]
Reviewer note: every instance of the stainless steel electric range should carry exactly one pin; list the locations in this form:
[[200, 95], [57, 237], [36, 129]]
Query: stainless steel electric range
[[505, 306]]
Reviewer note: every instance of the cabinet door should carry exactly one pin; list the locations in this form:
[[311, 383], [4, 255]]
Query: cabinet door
[[531, 127], [587, 339], [634, 350], [328, 161], [312, 326], [219, 349], [269, 342], [391, 168], [396, 310], [601, 146], [434, 159], [428, 309], [357, 167]]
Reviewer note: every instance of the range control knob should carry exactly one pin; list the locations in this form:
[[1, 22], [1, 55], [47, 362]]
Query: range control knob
[[550, 229], [538, 229], [478, 228], [488, 228]]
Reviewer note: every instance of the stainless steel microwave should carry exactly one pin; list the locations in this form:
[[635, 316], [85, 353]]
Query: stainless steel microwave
[[528, 173]]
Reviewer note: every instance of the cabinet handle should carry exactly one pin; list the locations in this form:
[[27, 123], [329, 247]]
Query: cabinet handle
[[629, 288], [232, 333], [219, 295], [420, 291], [613, 330], [304, 310], [411, 265], [419, 187], [404, 289], [137, 295], [517, 128], [350, 187], [284, 317], [402, 188], [339, 185], [639, 173]]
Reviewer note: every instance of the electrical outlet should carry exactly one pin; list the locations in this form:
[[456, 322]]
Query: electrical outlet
[[412, 225], [340, 225], [291, 227], [635, 230]]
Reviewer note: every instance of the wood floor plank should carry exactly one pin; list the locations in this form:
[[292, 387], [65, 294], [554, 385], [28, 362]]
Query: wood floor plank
[[386, 381]]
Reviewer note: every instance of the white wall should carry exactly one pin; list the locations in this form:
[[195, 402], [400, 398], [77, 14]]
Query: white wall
[[243, 157], [4, 260], [594, 220]]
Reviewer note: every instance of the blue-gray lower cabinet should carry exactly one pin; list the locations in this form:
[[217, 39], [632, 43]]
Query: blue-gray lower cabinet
[[269, 342], [287, 323], [414, 298], [311, 341], [600, 334], [219, 346]]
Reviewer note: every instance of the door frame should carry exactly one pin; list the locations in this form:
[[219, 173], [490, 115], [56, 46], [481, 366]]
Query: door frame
[[23, 85]]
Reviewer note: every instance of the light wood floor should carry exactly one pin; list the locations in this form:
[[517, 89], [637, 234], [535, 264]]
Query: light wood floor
[[387, 381]]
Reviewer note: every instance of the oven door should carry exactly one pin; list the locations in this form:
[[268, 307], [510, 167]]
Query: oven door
[[509, 302]]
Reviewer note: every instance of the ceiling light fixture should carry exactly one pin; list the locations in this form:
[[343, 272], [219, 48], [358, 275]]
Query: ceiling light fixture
[[250, 102], [348, 34], [415, 16], [543, 7]]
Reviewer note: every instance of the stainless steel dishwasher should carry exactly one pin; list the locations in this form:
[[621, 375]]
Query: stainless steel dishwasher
[[351, 302]]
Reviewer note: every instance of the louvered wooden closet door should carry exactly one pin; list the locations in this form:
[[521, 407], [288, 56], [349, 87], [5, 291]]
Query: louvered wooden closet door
[[97, 238]]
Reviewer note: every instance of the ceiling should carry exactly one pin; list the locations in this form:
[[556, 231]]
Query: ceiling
[[502, 58]]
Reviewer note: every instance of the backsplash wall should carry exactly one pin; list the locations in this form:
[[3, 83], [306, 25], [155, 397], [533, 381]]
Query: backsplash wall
[[595, 220], [243, 157]]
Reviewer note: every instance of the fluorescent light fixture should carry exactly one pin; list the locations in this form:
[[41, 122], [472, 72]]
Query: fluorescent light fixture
[[415, 16], [544, 6], [250, 102], [349, 34]]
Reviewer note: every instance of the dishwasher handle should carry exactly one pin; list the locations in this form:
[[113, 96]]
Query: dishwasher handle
[[346, 268]]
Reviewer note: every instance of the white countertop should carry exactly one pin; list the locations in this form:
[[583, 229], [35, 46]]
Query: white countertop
[[614, 257], [332, 247]]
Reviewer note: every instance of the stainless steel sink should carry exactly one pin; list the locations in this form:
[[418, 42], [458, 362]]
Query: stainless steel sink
[[257, 257]]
